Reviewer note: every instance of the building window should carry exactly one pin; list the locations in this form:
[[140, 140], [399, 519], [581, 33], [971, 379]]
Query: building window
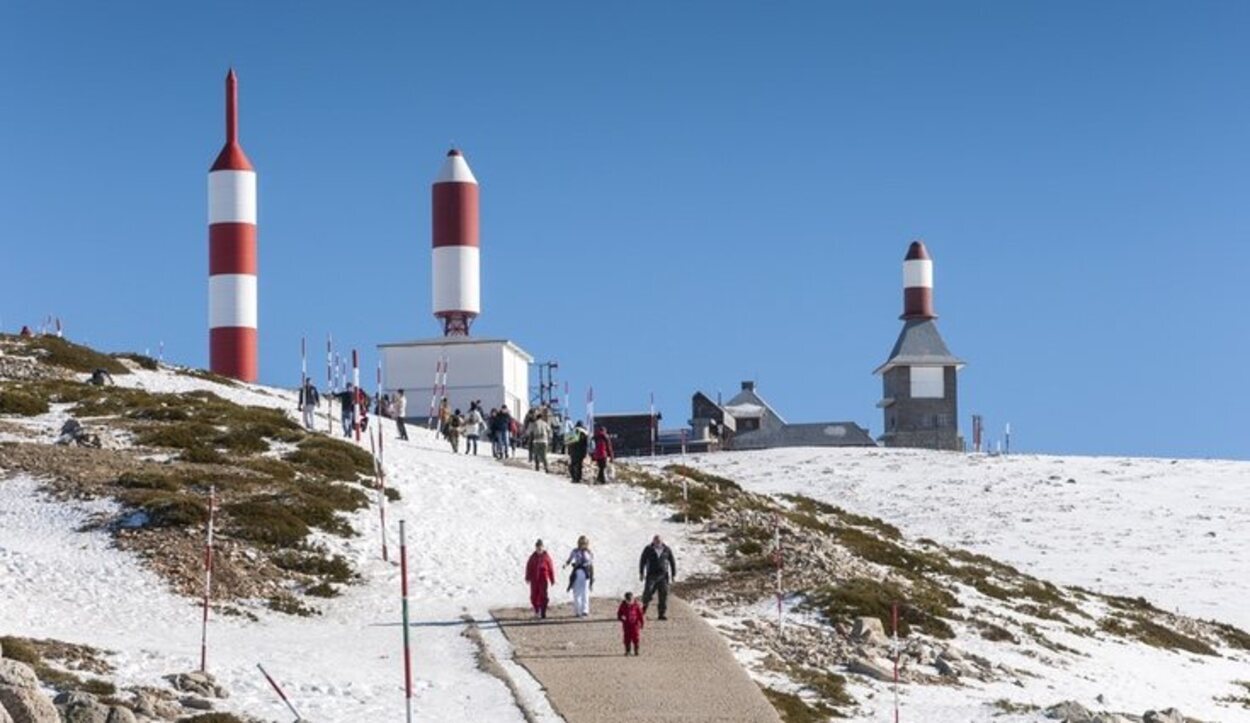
[[928, 382]]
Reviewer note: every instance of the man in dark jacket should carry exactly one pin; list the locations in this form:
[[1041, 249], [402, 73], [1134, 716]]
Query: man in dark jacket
[[578, 443], [347, 415], [657, 567]]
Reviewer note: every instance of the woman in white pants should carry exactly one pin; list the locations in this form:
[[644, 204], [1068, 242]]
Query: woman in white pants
[[582, 579]]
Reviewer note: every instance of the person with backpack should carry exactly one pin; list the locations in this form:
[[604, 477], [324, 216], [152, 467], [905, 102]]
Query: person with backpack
[[540, 572], [602, 453], [582, 577], [308, 401], [473, 427], [503, 430], [455, 423], [539, 434], [399, 409], [577, 443], [347, 413], [654, 567]]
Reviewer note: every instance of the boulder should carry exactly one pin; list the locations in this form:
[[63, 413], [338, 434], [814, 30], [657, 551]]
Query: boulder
[[119, 714], [197, 683], [947, 667], [1110, 718], [18, 675], [4, 716], [870, 668], [191, 701], [1070, 711], [1169, 715], [78, 707], [27, 705], [869, 630]]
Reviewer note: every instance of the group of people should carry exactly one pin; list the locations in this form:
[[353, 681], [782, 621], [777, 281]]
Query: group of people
[[354, 406], [657, 569]]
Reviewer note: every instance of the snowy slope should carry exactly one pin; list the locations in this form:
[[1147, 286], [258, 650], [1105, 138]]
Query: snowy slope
[[1174, 532], [472, 523]]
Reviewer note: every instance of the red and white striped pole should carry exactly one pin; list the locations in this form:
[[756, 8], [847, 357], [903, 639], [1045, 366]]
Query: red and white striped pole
[[381, 466], [329, 384], [208, 577], [356, 399], [894, 612], [232, 253], [403, 577], [590, 409], [778, 562], [438, 368], [653, 425], [274, 684]]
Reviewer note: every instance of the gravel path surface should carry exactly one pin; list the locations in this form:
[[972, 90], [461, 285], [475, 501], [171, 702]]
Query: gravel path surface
[[685, 671]]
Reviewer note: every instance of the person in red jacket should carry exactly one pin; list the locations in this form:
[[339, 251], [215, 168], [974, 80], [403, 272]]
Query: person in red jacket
[[632, 621], [540, 572], [602, 453]]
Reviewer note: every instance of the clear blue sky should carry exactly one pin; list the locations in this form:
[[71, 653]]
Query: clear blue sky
[[676, 196]]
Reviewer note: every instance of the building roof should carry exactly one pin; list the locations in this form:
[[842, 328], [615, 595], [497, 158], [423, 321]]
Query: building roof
[[748, 398], [919, 344], [459, 340], [818, 434]]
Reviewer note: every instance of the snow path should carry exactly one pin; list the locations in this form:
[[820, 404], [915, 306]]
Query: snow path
[[471, 525]]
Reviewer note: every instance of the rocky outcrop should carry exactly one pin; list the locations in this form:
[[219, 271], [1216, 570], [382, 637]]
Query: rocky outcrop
[[78, 707], [198, 684], [1070, 711], [20, 696]]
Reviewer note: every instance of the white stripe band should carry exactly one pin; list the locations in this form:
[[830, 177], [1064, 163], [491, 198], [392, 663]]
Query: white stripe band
[[231, 300], [455, 170], [457, 279], [232, 197], [918, 272]]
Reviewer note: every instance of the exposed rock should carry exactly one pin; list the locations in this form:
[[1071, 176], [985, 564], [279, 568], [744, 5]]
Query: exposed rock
[[869, 630], [947, 667], [1110, 718], [870, 668], [27, 705], [4, 716], [79, 707], [119, 714], [195, 703], [1070, 711], [197, 683], [18, 675], [1169, 715]]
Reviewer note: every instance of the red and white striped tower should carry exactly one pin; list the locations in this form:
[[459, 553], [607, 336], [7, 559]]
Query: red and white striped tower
[[918, 283], [232, 253], [457, 261]]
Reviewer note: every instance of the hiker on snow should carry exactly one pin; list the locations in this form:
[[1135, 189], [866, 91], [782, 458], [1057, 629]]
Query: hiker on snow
[[399, 409], [473, 427], [582, 578], [654, 567], [540, 572], [347, 400], [602, 453], [452, 431], [577, 444], [539, 434], [633, 618], [308, 401]]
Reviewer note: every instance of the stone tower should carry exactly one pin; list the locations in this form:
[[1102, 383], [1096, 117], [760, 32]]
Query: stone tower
[[919, 379]]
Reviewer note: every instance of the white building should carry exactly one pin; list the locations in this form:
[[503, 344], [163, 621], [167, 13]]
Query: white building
[[496, 371]]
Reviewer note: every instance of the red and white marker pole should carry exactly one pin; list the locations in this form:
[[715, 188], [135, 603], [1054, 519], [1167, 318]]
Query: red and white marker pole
[[356, 399], [381, 467], [778, 562], [653, 424], [208, 577], [438, 370], [274, 684], [590, 409], [403, 577], [232, 265], [329, 384], [894, 611]]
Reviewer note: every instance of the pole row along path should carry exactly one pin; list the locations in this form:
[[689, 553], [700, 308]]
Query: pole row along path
[[685, 671]]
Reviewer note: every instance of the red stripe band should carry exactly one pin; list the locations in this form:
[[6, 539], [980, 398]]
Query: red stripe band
[[232, 248], [232, 352], [455, 214]]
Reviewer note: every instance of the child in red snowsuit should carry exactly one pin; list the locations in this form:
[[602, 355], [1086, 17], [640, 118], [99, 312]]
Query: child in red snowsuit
[[632, 621]]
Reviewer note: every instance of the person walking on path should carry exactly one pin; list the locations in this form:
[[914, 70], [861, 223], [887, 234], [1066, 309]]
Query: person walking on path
[[540, 572], [347, 406], [578, 443], [539, 433], [473, 427], [602, 454], [654, 567], [455, 423], [502, 428], [633, 619], [582, 578], [444, 416], [399, 408], [308, 401]]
